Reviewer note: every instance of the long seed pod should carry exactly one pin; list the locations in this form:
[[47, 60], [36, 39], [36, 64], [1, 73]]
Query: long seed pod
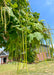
[[26, 49], [20, 53], [46, 59], [23, 48], [23, 42], [4, 3], [51, 44], [8, 14], [5, 20], [1, 15]]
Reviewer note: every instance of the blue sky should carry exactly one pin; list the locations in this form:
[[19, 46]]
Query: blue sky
[[46, 10]]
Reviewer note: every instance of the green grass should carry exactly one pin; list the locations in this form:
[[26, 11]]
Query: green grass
[[42, 68]]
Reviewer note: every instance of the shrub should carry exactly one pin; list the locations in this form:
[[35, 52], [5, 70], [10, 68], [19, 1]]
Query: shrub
[[31, 56]]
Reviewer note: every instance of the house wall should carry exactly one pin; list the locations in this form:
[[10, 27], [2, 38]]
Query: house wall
[[7, 60], [0, 60], [44, 53], [42, 56]]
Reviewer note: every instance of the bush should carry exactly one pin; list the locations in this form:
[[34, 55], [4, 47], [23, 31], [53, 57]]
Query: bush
[[31, 56]]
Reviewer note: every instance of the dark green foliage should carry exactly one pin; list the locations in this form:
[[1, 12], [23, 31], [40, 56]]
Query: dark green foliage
[[51, 51], [31, 56]]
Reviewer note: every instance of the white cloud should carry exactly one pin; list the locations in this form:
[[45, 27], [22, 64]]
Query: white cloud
[[49, 2], [50, 5]]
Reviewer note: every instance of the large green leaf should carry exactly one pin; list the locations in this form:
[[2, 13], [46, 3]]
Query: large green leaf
[[10, 13], [38, 26], [36, 35]]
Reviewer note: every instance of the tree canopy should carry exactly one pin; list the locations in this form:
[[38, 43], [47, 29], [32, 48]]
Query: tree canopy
[[20, 28]]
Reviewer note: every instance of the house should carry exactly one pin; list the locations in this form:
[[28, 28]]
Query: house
[[44, 53], [4, 57]]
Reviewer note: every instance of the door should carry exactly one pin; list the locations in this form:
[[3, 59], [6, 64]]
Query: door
[[4, 60], [0, 60]]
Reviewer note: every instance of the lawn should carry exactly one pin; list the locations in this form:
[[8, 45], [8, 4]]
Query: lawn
[[42, 68]]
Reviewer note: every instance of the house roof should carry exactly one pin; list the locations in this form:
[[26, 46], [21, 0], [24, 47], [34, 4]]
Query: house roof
[[44, 45], [3, 53]]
